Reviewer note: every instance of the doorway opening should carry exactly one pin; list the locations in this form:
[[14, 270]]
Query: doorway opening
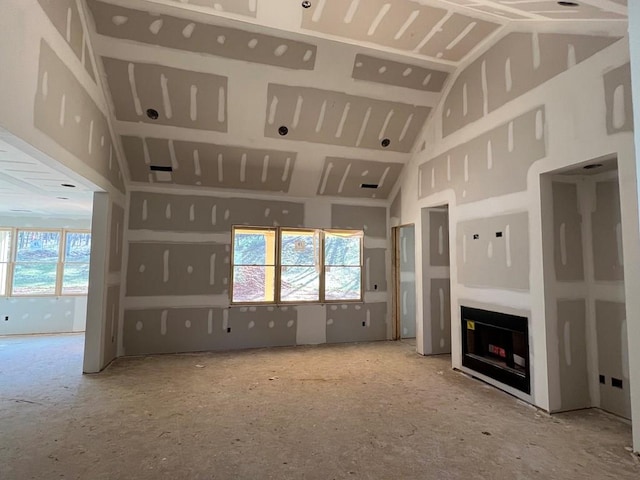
[[47, 251], [436, 280], [404, 291], [584, 288]]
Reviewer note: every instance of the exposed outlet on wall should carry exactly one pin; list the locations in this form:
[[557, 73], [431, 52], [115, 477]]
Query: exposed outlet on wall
[[476, 236], [228, 329], [498, 234], [616, 382], [375, 287], [364, 324], [6, 318], [602, 380]]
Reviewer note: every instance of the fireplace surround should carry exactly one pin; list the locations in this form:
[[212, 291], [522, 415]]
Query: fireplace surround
[[496, 345]]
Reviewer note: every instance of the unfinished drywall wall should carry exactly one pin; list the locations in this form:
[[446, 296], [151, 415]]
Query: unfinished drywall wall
[[540, 129], [51, 98], [178, 274], [494, 252], [617, 84], [66, 113], [116, 239], [494, 163], [587, 280], [208, 214], [567, 227], [65, 17], [613, 358], [572, 352], [395, 210], [515, 65], [606, 230], [435, 287], [208, 329], [407, 279]]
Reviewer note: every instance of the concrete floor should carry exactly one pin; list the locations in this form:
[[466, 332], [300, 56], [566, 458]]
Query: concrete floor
[[368, 411]]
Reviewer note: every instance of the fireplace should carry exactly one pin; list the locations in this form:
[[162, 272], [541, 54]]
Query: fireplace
[[496, 345]]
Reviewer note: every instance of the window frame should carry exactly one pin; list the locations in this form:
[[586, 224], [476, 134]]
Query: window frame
[[277, 297], [8, 276], [63, 261], [233, 265], [278, 285], [361, 265], [60, 262]]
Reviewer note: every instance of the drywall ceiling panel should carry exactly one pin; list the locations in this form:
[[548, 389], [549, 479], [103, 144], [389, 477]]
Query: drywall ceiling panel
[[64, 15], [379, 70], [208, 164], [457, 37], [182, 98], [335, 118], [506, 14], [182, 34], [247, 8], [344, 177], [552, 9], [401, 24]]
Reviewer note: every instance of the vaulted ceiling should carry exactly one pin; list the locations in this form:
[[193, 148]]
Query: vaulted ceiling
[[267, 95]]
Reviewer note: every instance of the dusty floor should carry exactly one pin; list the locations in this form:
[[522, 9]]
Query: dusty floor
[[368, 411]]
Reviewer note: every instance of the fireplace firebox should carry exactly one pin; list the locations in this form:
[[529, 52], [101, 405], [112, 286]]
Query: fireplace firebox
[[496, 345]]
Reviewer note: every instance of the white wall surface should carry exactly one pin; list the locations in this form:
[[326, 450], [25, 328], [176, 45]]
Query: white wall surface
[[631, 234], [42, 315]]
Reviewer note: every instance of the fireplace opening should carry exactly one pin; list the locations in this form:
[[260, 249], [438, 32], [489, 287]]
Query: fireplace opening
[[497, 345]]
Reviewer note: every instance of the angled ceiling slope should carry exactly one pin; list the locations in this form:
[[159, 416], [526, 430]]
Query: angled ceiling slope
[[270, 96]]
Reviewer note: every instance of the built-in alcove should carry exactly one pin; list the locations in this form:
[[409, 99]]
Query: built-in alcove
[[584, 288]]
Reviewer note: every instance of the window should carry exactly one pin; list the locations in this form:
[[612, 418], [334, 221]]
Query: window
[[44, 262], [35, 270], [77, 252], [5, 257], [296, 265], [254, 265], [343, 265], [299, 265]]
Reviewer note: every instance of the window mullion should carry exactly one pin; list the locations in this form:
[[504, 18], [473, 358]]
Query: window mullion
[[322, 266], [60, 265], [277, 266]]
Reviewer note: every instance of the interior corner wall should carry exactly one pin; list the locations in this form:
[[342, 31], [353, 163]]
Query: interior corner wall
[[178, 270], [487, 170]]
